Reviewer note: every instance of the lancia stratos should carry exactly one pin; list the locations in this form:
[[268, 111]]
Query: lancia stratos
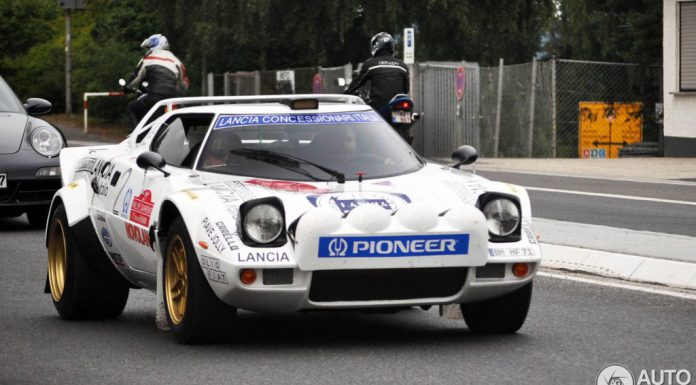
[[283, 204]]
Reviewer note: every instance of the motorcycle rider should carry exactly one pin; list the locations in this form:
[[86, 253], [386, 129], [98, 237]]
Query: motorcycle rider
[[387, 75], [164, 73]]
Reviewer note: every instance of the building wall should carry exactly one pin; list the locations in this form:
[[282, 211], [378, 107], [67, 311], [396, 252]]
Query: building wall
[[679, 107]]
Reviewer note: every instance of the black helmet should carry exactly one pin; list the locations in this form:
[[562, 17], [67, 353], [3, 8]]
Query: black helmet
[[382, 42]]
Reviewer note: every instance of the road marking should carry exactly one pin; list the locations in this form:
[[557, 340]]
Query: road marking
[[618, 285], [615, 196], [611, 178]]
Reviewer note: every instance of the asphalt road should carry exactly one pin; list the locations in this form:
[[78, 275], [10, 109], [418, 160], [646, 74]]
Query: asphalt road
[[660, 217], [573, 330]]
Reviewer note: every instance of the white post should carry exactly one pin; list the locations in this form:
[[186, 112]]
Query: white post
[[211, 84], [496, 133], [532, 99], [85, 103], [85, 107]]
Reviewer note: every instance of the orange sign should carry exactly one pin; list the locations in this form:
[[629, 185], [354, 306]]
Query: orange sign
[[607, 127]]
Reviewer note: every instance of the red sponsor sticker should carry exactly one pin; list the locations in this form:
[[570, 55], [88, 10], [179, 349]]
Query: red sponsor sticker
[[142, 208], [285, 185], [137, 234]]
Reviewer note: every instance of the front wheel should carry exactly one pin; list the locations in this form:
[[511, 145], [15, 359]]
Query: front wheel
[[502, 315], [194, 313], [77, 290]]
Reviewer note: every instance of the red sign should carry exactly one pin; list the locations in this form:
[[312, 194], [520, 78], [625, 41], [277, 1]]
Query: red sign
[[459, 85], [142, 208], [316, 84], [285, 185]]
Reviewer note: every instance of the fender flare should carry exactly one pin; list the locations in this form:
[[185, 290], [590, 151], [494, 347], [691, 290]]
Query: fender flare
[[73, 197]]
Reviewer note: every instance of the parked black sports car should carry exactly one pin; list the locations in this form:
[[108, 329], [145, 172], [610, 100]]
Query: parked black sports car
[[29, 148]]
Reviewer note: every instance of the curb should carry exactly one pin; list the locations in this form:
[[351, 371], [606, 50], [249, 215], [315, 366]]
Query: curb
[[622, 266]]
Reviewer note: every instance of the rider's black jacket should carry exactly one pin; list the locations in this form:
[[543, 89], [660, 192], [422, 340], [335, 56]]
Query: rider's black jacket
[[387, 75]]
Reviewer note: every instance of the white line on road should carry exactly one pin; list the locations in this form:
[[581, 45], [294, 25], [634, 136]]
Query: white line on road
[[618, 285], [613, 178], [615, 196]]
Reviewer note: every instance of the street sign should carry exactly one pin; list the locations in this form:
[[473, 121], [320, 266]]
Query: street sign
[[316, 83], [607, 127], [459, 84], [409, 46], [285, 82]]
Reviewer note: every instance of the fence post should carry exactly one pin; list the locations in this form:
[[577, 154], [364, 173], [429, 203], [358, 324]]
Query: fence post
[[257, 82], [226, 83], [553, 107], [211, 84], [532, 99], [496, 133]]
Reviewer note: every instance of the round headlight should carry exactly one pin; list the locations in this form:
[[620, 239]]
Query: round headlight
[[263, 223], [46, 141], [502, 216]]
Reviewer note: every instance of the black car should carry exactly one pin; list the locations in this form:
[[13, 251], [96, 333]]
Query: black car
[[29, 165]]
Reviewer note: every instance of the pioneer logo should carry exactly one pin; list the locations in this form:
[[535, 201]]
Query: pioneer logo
[[394, 246]]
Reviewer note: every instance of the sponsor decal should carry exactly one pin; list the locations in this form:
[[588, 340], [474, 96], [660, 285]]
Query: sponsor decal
[[346, 202], [259, 256], [468, 191], [106, 236], [227, 121], [212, 235], [229, 238], [142, 208], [232, 194], [286, 185], [85, 164], [212, 269], [529, 231], [100, 217], [394, 246], [118, 259], [127, 198], [512, 252], [137, 234], [102, 170]]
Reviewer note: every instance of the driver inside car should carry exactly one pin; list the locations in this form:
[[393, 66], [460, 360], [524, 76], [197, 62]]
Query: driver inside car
[[220, 150]]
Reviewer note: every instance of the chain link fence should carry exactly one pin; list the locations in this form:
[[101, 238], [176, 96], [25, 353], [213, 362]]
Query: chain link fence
[[520, 110]]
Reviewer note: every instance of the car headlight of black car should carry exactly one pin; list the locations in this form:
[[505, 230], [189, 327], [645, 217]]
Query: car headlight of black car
[[47, 141], [503, 215], [263, 222]]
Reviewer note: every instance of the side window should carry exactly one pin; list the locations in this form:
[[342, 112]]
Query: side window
[[179, 139]]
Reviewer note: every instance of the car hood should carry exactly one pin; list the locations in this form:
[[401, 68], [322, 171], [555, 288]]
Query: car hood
[[12, 126], [438, 187]]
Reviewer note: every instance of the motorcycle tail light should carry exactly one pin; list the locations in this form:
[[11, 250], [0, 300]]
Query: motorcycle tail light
[[405, 105]]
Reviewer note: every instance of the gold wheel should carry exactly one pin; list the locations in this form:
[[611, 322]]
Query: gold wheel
[[176, 280], [57, 256]]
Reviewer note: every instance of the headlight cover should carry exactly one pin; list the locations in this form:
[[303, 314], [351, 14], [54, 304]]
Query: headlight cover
[[264, 223], [47, 141], [502, 215]]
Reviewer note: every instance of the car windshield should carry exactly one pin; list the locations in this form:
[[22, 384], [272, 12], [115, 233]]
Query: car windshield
[[8, 100], [348, 143]]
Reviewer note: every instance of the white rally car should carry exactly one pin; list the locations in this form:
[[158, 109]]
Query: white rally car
[[280, 204]]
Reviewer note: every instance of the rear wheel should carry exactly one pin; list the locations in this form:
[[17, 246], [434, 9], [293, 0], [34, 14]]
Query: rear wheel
[[77, 290], [502, 315], [194, 313]]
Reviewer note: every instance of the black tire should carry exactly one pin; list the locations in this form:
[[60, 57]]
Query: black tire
[[502, 315], [37, 217], [203, 318], [77, 290]]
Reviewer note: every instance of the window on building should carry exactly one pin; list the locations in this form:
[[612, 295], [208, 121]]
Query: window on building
[[687, 46]]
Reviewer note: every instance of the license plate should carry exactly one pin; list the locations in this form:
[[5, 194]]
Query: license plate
[[401, 117], [3, 180]]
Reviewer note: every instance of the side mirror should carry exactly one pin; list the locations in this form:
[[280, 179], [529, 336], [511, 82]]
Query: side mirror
[[150, 159], [37, 106], [341, 82], [464, 155]]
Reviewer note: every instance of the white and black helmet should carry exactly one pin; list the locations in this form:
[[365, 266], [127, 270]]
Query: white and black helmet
[[155, 42], [382, 42]]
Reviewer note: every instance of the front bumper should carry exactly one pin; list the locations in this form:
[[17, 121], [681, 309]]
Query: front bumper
[[24, 190]]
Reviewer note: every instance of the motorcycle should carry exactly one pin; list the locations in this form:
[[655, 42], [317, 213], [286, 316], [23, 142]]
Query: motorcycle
[[398, 112]]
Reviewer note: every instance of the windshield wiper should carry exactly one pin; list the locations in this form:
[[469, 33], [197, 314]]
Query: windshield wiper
[[287, 161]]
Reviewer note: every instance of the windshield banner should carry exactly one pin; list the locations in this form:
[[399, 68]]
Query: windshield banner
[[227, 121]]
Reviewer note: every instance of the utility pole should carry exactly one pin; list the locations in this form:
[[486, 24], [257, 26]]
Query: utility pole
[[69, 6]]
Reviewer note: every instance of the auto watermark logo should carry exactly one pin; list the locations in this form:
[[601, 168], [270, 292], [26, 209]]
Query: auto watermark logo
[[338, 247], [617, 374]]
